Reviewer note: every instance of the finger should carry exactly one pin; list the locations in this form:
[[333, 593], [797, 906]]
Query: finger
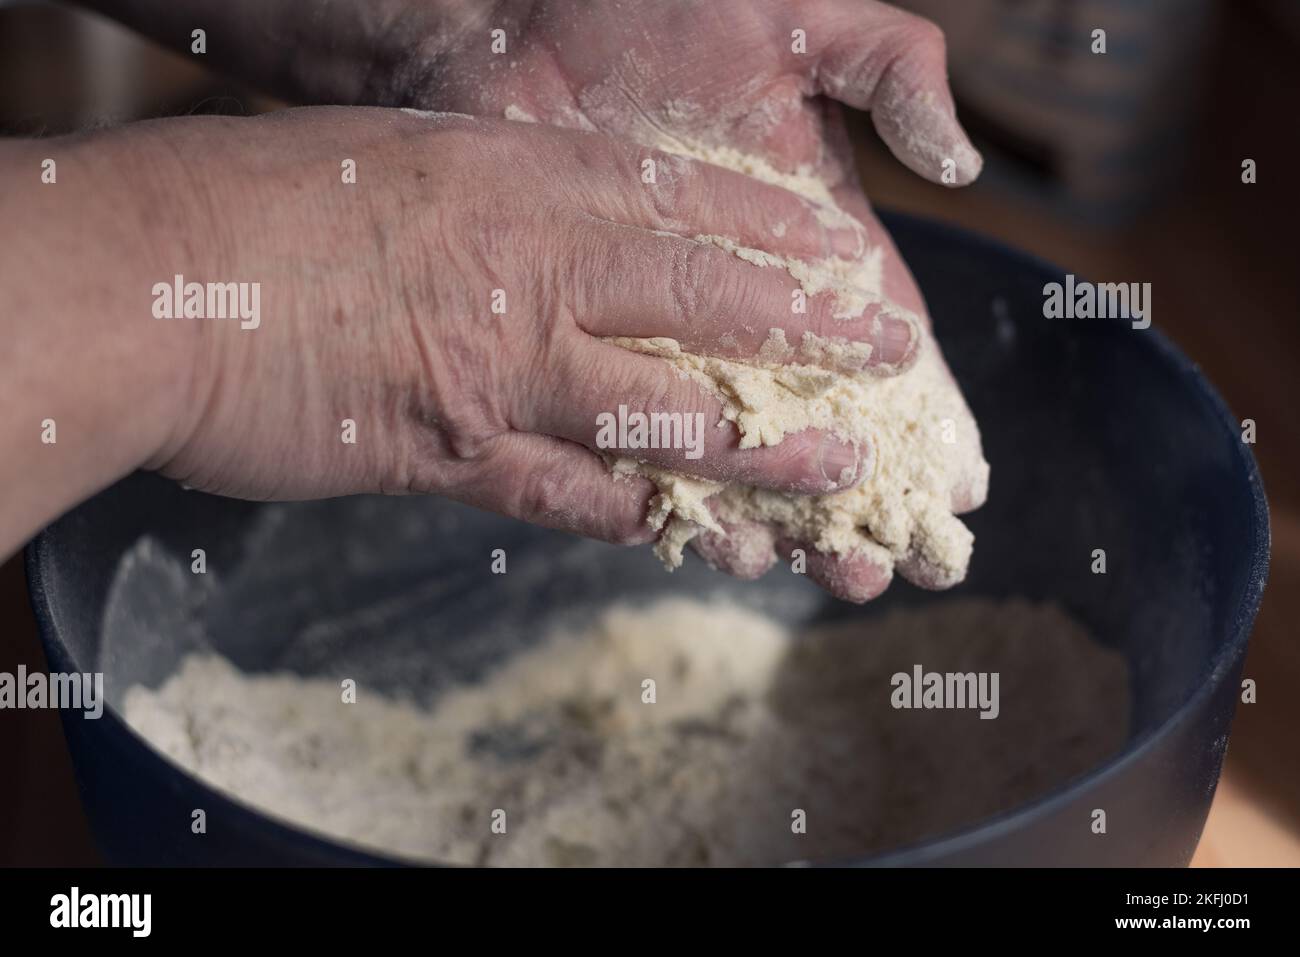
[[970, 471], [606, 385], [555, 484], [638, 284], [897, 283], [893, 64], [745, 550], [930, 564], [971, 491], [855, 577]]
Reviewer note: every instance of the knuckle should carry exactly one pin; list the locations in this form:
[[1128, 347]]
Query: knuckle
[[627, 528], [542, 496], [704, 287], [684, 279], [795, 461], [591, 263], [453, 399], [923, 34], [677, 186], [594, 156]]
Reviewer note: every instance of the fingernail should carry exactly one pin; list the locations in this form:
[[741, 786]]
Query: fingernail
[[839, 463], [896, 343], [968, 162], [849, 243]]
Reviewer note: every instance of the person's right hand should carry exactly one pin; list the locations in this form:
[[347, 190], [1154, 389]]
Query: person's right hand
[[377, 306], [764, 77]]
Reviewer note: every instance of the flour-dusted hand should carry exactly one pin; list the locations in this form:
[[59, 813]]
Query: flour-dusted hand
[[726, 81], [457, 303], [756, 85], [745, 72], [756, 74]]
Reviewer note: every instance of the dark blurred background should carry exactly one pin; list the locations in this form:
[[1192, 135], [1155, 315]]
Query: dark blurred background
[[1121, 167]]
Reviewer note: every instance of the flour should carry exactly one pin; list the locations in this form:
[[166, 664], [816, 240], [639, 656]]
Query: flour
[[901, 512], [925, 449], [749, 721], [519, 114]]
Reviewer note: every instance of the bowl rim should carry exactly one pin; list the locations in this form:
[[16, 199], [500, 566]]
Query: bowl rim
[[1230, 653]]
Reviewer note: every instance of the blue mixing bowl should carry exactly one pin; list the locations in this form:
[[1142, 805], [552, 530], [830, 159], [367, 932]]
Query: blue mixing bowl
[[1100, 436]]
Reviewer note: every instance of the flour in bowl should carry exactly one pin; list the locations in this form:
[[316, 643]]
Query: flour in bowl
[[748, 727]]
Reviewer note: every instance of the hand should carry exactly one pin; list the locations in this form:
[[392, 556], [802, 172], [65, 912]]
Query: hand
[[377, 303], [724, 73]]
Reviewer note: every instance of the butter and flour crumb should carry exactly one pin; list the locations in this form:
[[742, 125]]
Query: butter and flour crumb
[[901, 512], [925, 449], [924, 453]]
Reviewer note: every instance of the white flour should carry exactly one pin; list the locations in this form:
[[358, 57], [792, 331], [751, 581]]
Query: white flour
[[750, 722]]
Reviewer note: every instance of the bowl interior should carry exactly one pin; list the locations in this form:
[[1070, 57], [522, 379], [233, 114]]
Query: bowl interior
[[1100, 436]]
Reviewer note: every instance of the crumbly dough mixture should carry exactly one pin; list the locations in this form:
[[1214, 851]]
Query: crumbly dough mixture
[[902, 512], [926, 450], [749, 723]]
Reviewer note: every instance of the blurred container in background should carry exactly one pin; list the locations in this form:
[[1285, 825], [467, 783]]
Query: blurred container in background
[[1098, 135]]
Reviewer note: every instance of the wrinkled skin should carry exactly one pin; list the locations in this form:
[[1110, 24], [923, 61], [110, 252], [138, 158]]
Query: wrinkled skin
[[495, 410], [718, 72]]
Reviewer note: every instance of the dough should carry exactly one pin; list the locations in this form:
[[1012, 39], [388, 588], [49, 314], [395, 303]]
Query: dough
[[926, 449], [927, 452]]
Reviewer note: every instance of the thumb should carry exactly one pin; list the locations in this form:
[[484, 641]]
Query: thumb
[[893, 64]]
